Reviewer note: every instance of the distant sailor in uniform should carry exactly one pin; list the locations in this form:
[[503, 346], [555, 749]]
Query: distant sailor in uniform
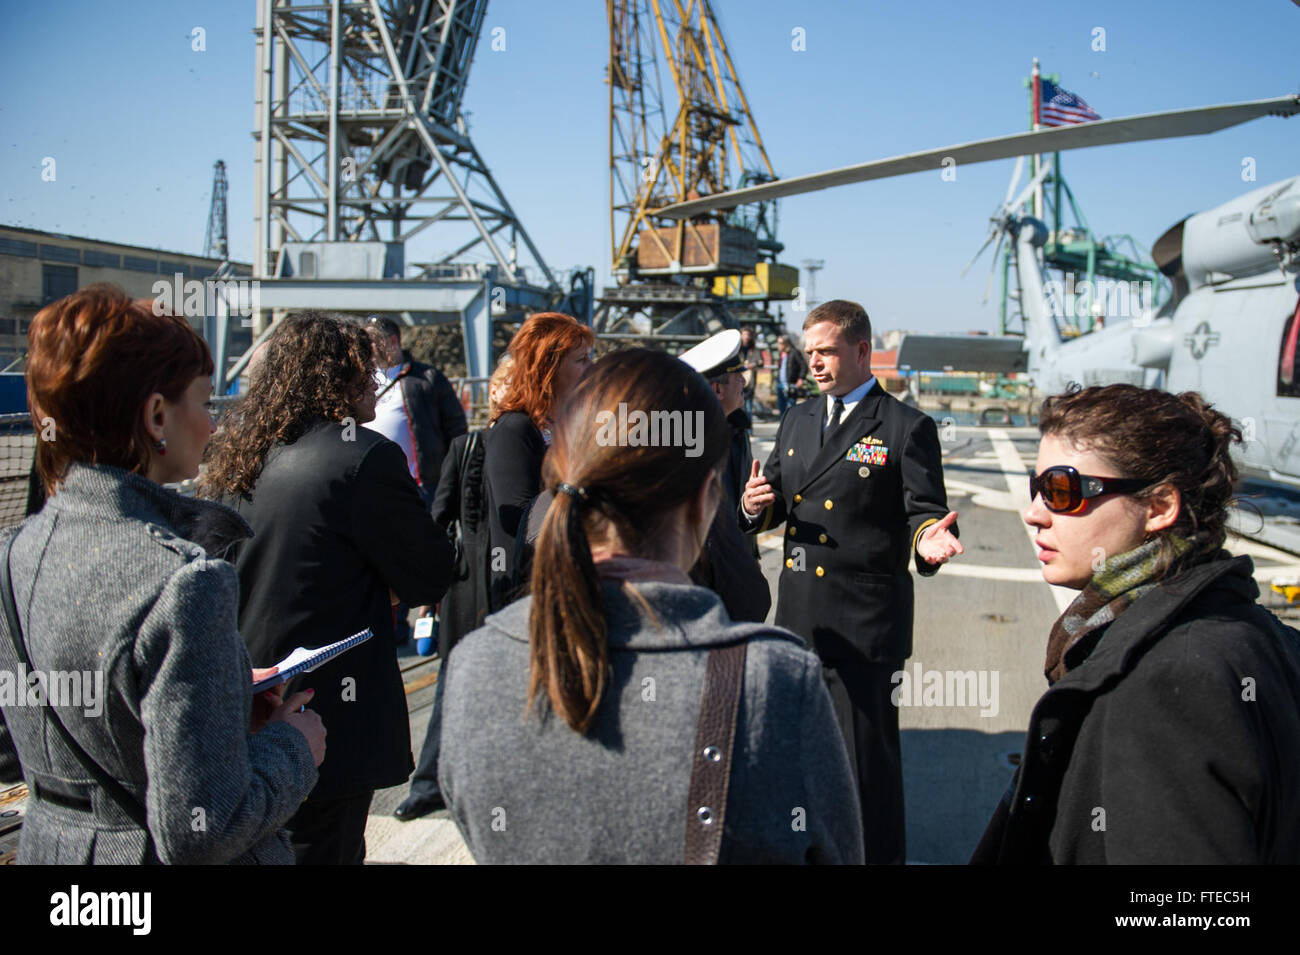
[[728, 563], [857, 479]]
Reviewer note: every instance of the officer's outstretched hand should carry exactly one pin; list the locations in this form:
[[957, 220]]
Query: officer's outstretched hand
[[758, 493], [937, 544]]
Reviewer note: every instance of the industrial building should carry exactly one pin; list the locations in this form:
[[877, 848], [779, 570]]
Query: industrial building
[[37, 268]]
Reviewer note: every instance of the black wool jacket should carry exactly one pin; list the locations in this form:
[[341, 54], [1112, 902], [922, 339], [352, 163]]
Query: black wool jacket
[[337, 522], [460, 505], [435, 414], [1174, 742]]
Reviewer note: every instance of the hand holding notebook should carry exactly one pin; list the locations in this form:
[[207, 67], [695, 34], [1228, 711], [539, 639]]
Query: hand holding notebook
[[302, 660]]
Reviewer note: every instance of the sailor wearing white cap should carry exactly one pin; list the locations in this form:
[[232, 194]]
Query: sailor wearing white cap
[[729, 564]]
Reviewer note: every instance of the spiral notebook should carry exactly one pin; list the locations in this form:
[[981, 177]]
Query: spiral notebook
[[302, 660]]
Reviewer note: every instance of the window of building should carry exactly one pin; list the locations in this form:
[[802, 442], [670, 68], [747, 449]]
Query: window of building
[[103, 260], [137, 264], [59, 253], [57, 281]]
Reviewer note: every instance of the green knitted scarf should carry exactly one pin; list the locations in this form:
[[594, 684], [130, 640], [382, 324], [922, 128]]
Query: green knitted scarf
[[1121, 580]]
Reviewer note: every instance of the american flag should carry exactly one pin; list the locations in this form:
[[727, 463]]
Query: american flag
[[1062, 108]]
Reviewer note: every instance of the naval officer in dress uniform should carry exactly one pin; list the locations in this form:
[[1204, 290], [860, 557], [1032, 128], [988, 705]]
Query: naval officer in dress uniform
[[856, 477]]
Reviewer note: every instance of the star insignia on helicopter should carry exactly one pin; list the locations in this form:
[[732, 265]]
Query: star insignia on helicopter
[[1200, 340]]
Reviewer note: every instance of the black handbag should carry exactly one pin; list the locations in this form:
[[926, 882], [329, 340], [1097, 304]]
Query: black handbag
[[116, 791]]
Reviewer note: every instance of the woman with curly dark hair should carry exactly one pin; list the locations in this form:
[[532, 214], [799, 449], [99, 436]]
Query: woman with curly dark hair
[[339, 529], [1169, 729]]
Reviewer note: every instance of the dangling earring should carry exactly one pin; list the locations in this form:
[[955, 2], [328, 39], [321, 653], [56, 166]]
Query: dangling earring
[[161, 446]]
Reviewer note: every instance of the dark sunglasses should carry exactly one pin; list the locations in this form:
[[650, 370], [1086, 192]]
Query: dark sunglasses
[[1065, 490]]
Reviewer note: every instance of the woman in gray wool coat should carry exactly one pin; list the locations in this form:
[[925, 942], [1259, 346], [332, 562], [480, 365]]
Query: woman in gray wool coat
[[571, 718], [118, 582]]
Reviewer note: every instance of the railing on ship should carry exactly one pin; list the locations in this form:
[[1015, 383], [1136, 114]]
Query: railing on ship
[[18, 447]]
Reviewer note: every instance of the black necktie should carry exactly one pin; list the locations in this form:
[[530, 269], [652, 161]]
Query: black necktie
[[837, 409]]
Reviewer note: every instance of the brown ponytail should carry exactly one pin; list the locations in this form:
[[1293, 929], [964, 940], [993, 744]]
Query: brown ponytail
[[569, 654], [1179, 440], [627, 485]]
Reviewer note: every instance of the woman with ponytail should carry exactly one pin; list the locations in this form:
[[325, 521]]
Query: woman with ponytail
[[1170, 726], [570, 717]]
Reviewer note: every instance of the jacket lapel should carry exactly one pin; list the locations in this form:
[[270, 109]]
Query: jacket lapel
[[862, 420]]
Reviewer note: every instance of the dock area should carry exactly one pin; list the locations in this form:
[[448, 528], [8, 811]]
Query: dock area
[[988, 611]]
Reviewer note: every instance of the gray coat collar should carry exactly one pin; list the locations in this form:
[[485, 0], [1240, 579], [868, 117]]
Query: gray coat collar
[[684, 616], [98, 490]]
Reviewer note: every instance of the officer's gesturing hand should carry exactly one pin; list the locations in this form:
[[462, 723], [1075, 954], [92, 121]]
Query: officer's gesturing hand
[[758, 493], [937, 543]]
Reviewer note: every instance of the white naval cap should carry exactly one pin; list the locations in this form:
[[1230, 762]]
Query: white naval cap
[[716, 354]]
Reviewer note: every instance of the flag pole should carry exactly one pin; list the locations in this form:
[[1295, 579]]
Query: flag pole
[[1037, 122]]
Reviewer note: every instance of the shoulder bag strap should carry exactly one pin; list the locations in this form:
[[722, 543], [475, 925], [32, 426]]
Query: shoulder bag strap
[[714, 742], [124, 799]]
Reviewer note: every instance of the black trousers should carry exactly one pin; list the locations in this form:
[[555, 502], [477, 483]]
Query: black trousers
[[425, 780], [860, 693], [330, 831]]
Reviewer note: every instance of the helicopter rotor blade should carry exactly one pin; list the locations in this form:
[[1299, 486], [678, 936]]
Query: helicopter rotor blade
[[993, 233], [1015, 179], [993, 266], [1104, 132], [1029, 189]]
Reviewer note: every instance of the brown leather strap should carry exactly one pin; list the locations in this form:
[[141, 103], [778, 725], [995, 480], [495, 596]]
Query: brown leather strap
[[714, 741]]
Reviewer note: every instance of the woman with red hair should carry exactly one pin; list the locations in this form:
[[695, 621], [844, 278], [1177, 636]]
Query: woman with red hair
[[550, 353], [118, 582]]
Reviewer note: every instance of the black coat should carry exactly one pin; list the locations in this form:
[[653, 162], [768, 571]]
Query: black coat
[[337, 522], [796, 367], [512, 471], [852, 525], [1178, 734], [726, 566], [459, 504], [435, 414]]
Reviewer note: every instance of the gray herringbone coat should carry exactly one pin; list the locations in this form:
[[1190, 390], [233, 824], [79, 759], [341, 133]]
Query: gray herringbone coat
[[109, 577], [535, 791]]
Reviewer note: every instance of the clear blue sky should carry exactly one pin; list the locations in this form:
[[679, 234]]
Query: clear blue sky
[[135, 120]]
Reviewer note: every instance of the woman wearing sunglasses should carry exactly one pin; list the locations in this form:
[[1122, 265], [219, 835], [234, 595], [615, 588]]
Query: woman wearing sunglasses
[[1170, 727]]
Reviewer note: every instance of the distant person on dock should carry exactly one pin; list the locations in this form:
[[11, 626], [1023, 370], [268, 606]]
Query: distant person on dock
[[119, 582], [459, 505], [858, 481], [417, 409], [751, 360], [340, 534], [579, 723], [1171, 723], [550, 352], [791, 371]]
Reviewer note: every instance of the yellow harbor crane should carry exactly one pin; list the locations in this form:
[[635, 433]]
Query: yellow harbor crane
[[684, 279]]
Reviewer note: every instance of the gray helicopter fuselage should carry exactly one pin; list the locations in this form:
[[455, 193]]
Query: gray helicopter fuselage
[[1230, 336]]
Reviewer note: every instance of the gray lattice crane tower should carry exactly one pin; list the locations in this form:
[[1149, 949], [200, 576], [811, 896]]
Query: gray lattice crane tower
[[361, 146], [217, 244]]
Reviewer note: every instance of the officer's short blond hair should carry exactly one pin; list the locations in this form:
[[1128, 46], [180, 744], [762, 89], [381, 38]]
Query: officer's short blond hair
[[849, 317]]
